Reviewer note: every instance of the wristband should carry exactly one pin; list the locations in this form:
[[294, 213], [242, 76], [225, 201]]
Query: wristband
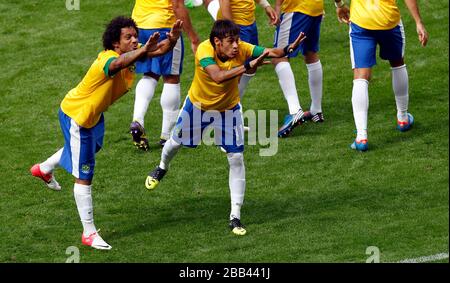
[[247, 64], [339, 4], [287, 51], [264, 3]]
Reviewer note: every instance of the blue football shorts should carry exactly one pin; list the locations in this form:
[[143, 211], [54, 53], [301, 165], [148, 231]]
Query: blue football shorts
[[292, 24], [227, 125], [249, 34], [170, 63], [363, 45], [80, 146]]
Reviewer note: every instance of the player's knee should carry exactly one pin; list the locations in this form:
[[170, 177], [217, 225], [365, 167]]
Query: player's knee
[[235, 159]]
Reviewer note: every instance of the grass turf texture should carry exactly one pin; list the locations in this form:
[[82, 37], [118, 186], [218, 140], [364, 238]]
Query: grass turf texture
[[314, 201]]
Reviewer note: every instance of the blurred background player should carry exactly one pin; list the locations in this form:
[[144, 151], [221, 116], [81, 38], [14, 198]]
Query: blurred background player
[[242, 13], [299, 16], [81, 114], [193, 3], [158, 16], [375, 23], [214, 93]]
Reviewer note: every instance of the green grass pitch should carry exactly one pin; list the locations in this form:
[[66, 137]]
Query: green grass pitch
[[314, 201]]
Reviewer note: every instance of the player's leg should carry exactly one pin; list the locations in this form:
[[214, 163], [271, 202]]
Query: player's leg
[[187, 132], [360, 106], [289, 29], [314, 67], [213, 7], [45, 169], [400, 85], [232, 141], [236, 181], [315, 82], [392, 48], [171, 65], [170, 104], [145, 89], [78, 158], [362, 52]]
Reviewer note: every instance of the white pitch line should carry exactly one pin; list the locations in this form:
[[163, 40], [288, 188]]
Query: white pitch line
[[425, 258]]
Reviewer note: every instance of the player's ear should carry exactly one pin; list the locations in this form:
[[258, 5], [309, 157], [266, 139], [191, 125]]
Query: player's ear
[[116, 44], [216, 41]]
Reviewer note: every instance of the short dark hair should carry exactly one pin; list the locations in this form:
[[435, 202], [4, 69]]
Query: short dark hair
[[114, 30], [222, 29]]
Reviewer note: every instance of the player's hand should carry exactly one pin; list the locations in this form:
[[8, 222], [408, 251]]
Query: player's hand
[[272, 15], [255, 63], [422, 33], [152, 42], [343, 14], [175, 31], [297, 42]]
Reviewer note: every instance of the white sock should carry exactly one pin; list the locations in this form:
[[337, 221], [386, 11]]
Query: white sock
[[83, 199], [287, 83], [213, 8], [360, 103], [400, 85], [236, 183], [169, 150], [145, 89], [315, 78], [170, 103], [243, 82], [50, 164]]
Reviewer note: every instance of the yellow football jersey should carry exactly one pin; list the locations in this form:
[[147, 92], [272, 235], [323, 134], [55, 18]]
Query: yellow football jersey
[[151, 14], [242, 12], [204, 90], [309, 7], [375, 14], [97, 91]]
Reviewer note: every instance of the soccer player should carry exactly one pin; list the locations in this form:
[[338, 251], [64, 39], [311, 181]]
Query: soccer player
[[299, 16], [375, 23], [81, 114], [242, 12], [213, 99], [158, 16]]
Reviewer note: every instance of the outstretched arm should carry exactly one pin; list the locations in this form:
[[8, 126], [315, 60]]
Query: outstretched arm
[[167, 44], [218, 75], [128, 58], [151, 49], [281, 52], [182, 13], [421, 31]]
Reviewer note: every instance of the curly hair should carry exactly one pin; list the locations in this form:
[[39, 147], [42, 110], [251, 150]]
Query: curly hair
[[114, 30], [222, 29]]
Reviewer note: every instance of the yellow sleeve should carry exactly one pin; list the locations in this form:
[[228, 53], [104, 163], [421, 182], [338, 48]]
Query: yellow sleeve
[[104, 60], [205, 54]]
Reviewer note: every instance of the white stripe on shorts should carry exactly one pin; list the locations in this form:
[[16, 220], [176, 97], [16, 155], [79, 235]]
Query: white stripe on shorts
[[176, 58], [284, 31], [75, 147], [402, 31], [352, 55]]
